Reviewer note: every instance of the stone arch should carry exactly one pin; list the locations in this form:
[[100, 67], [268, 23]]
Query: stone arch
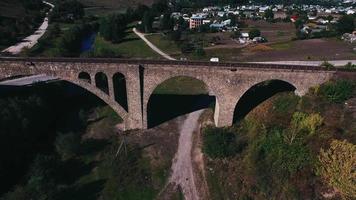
[[85, 76], [120, 89], [257, 93], [150, 94], [75, 80], [102, 82]]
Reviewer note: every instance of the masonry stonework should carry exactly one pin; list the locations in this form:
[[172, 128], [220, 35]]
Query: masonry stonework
[[228, 83]]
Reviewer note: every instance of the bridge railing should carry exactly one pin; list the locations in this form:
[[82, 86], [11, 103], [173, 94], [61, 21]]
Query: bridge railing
[[230, 65]]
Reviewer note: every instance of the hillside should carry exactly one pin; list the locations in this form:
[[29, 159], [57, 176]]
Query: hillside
[[278, 150], [115, 3]]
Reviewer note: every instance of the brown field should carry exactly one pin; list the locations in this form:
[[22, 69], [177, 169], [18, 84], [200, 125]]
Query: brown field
[[314, 49], [274, 32]]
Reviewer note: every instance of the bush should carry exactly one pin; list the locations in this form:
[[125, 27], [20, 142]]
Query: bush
[[350, 66], [280, 158], [338, 91], [199, 52], [327, 65], [254, 33], [337, 167], [67, 145], [219, 142]]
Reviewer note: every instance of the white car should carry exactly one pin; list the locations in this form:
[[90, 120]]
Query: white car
[[214, 59]]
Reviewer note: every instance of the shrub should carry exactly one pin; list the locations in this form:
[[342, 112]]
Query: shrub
[[219, 142], [309, 122], [199, 52], [282, 158], [327, 65], [286, 103], [350, 66], [67, 145], [337, 167], [338, 91], [254, 33]]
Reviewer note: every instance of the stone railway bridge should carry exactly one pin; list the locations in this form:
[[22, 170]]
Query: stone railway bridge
[[226, 81]]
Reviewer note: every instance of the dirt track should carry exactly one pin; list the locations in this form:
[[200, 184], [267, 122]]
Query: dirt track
[[182, 169]]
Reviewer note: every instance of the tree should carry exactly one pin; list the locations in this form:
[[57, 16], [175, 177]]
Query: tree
[[346, 24], [338, 91], [254, 33], [147, 21], [219, 143], [236, 34], [269, 15], [67, 145], [337, 167], [166, 22], [113, 27]]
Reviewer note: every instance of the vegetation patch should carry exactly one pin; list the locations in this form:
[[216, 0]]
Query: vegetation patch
[[337, 91], [182, 86]]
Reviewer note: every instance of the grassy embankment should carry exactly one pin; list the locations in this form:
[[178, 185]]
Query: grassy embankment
[[273, 152], [131, 47]]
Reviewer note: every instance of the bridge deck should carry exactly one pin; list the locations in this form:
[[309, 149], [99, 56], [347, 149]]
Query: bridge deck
[[231, 65]]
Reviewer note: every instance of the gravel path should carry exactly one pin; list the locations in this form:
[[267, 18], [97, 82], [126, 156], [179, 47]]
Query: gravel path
[[151, 45], [182, 169], [31, 40]]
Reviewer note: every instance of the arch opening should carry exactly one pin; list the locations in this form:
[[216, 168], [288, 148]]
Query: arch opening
[[50, 107], [101, 82], [177, 96], [120, 90], [85, 77], [257, 94]]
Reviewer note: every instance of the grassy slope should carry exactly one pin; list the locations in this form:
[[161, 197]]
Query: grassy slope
[[131, 47], [237, 177], [164, 44]]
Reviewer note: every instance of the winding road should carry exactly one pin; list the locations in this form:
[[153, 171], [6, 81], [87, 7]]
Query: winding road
[[31, 40]]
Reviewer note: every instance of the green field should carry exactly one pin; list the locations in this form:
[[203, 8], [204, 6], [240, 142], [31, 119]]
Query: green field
[[131, 47], [163, 43], [182, 86]]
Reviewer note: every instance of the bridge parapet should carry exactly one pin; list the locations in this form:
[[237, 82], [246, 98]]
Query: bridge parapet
[[228, 82]]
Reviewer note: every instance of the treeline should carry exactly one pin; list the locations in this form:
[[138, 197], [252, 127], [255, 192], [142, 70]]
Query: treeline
[[14, 27], [29, 119], [67, 11], [70, 42], [45, 155]]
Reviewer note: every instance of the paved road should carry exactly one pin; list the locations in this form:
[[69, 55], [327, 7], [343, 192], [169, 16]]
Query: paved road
[[151, 45], [182, 169], [309, 63], [31, 40]]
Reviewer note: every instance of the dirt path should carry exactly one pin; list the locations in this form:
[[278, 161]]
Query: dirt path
[[182, 169], [152, 46]]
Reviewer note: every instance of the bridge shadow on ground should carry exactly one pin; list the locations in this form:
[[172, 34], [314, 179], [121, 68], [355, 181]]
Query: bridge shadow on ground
[[258, 94], [164, 107]]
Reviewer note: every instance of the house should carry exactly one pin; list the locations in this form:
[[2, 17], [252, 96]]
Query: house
[[196, 21], [294, 18], [350, 12], [349, 37], [280, 15]]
